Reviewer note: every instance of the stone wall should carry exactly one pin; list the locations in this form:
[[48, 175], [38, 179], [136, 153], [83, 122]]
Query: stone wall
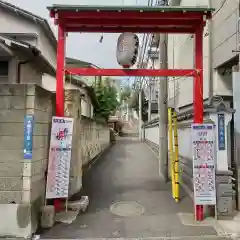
[[89, 139], [22, 181]]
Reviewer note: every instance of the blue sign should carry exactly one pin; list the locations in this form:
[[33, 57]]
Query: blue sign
[[28, 136], [221, 132]]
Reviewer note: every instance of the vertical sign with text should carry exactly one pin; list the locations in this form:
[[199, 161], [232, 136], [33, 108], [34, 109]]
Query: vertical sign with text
[[59, 158], [221, 132], [203, 147], [28, 137]]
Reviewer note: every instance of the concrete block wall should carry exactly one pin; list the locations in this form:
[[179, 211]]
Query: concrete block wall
[[22, 181], [73, 109], [95, 138], [90, 138]]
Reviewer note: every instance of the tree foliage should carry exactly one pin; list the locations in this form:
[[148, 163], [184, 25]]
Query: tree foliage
[[107, 98]]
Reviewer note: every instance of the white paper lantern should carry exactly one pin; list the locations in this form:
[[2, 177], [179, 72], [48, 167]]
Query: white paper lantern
[[127, 49]]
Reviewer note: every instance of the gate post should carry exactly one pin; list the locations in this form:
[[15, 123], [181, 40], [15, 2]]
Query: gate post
[[60, 71], [198, 94], [60, 74]]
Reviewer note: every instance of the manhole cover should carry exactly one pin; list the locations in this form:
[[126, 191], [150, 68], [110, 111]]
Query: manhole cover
[[127, 209]]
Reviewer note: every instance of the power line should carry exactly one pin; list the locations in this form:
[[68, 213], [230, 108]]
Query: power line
[[145, 41], [219, 9]]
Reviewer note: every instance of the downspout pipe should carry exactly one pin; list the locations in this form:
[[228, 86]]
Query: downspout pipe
[[35, 53], [210, 56]]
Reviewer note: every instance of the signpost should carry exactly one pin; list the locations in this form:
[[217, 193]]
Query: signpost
[[221, 131], [203, 146], [28, 136], [59, 158]]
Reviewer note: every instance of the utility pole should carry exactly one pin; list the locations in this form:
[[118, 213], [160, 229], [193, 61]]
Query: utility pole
[[162, 106], [150, 100], [140, 114]]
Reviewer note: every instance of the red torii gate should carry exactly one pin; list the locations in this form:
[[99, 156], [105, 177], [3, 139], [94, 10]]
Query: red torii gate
[[136, 19]]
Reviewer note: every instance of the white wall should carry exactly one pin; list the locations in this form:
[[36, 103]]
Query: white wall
[[47, 48], [13, 23], [152, 134], [225, 31], [224, 40], [49, 83], [181, 55], [184, 136], [222, 83]]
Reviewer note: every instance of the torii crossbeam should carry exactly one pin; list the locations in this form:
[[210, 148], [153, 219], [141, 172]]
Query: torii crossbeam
[[135, 19]]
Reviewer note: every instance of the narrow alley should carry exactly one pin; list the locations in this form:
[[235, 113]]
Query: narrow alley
[[128, 199]]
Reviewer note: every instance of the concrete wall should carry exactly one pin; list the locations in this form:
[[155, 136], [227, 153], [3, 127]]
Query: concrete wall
[[30, 74], [225, 42], [220, 38], [236, 106], [22, 182], [223, 161], [185, 156], [49, 83], [224, 31], [90, 139], [181, 55]]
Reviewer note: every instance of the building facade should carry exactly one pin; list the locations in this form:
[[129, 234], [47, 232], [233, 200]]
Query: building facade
[[28, 53], [220, 52], [221, 86]]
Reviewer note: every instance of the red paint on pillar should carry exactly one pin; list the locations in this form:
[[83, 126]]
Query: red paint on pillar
[[60, 87], [131, 72], [198, 94], [60, 72]]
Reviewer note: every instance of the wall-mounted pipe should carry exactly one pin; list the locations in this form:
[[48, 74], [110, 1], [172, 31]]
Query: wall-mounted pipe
[[35, 53], [210, 56]]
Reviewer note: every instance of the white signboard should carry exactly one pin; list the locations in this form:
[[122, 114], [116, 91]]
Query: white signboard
[[59, 158], [203, 145]]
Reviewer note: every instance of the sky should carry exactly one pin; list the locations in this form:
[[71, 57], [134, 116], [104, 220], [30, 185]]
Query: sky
[[85, 47]]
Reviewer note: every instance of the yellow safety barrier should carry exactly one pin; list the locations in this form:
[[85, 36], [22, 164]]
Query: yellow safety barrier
[[176, 158], [170, 139]]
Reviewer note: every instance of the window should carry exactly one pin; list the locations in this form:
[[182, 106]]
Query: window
[[3, 68]]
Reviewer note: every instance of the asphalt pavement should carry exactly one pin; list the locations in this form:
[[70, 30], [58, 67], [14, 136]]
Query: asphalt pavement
[[128, 199]]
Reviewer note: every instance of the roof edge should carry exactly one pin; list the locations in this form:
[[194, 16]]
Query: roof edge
[[34, 18], [62, 7]]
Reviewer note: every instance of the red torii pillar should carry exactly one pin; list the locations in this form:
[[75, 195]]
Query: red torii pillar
[[198, 94], [197, 87], [60, 71], [60, 75]]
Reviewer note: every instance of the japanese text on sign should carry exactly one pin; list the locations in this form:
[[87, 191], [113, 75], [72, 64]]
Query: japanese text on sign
[[59, 158], [203, 164], [28, 137]]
